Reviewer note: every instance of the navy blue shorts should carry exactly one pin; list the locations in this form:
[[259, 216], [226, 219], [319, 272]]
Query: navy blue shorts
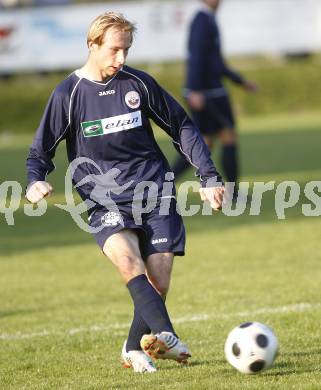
[[216, 115], [157, 233]]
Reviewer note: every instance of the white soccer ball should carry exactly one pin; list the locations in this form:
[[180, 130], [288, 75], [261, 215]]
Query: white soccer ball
[[251, 347]]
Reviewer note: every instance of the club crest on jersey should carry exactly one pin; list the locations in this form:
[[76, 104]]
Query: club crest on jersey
[[111, 219], [132, 99]]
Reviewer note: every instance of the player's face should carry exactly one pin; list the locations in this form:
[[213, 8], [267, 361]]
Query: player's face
[[213, 3], [111, 55]]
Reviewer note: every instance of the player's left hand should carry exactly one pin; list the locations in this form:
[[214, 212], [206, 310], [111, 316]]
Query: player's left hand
[[214, 195]]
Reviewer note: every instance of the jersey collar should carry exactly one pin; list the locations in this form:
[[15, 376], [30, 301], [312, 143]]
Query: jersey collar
[[80, 75]]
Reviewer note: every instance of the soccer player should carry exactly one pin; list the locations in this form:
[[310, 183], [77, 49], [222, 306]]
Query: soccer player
[[103, 112], [207, 98]]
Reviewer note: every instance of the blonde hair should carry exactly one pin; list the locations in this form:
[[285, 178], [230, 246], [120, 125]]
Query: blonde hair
[[106, 21]]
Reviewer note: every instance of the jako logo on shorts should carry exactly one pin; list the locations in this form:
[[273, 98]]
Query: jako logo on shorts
[[159, 240]]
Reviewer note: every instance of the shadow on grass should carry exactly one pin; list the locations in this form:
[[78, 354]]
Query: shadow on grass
[[190, 364], [303, 353], [281, 369], [12, 313], [286, 369], [277, 370], [54, 229]]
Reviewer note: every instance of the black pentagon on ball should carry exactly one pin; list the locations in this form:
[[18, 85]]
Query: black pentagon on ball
[[262, 340], [257, 366], [236, 350], [245, 324]]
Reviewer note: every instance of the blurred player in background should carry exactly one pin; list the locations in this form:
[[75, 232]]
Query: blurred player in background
[[206, 95], [103, 112]]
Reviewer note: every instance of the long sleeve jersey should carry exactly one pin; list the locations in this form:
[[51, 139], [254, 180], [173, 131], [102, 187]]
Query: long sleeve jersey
[[205, 64], [109, 123]]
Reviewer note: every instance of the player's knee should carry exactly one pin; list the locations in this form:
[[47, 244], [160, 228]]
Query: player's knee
[[129, 266], [159, 267], [162, 287], [162, 290], [208, 139], [129, 263], [228, 137]]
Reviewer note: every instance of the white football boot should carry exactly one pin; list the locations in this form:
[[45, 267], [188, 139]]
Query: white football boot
[[165, 345], [137, 360]]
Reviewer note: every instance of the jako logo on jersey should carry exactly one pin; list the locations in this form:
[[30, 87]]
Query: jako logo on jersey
[[132, 99], [112, 124], [159, 240], [109, 92]]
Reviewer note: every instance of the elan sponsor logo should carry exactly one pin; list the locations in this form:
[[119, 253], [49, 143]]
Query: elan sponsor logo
[[112, 124], [106, 93], [159, 240]]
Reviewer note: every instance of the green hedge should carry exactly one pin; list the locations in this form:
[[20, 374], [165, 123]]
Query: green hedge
[[284, 86]]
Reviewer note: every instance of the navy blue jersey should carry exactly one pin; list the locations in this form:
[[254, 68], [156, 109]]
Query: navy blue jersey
[[205, 64], [109, 123]]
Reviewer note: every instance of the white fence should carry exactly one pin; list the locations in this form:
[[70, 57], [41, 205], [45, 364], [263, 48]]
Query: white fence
[[55, 37]]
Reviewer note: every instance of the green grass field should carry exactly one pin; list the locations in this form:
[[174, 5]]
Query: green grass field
[[64, 313]]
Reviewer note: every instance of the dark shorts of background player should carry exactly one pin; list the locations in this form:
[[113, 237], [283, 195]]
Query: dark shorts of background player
[[157, 233], [216, 115]]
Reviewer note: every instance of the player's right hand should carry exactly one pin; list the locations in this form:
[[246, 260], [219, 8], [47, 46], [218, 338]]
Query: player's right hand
[[38, 190], [196, 100]]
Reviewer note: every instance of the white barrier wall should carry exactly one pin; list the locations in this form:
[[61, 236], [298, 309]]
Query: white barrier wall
[[55, 37]]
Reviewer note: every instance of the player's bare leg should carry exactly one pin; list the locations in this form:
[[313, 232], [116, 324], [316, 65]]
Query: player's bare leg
[[209, 140], [228, 136], [123, 251], [159, 269]]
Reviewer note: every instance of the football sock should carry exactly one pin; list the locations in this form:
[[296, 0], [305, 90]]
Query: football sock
[[230, 164], [180, 165], [149, 305], [137, 330]]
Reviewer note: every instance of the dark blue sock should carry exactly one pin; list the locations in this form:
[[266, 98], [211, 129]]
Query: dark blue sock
[[230, 163], [149, 305], [137, 330]]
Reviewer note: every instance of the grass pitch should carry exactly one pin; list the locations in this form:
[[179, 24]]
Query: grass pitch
[[64, 312]]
